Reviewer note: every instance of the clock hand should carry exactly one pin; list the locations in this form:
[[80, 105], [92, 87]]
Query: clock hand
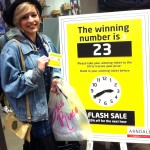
[[102, 92], [109, 90]]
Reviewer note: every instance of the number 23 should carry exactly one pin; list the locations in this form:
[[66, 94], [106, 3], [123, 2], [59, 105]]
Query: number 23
[[107, 49]]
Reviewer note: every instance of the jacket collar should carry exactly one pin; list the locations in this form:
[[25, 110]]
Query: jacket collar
[[15, 33]]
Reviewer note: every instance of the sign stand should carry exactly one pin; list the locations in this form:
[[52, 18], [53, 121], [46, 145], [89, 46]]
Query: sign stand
[[107, 146], [123, 145], [89, 145]]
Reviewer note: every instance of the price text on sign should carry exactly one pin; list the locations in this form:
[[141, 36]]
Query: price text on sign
[[109, 49]]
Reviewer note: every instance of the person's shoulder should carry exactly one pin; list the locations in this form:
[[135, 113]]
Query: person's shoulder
[[10, 45], [7, 37], [3, 41]]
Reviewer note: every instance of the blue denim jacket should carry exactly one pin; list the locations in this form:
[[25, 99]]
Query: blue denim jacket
[[17, 83]]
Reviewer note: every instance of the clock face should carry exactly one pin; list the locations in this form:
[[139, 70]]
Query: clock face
[[105, 90]]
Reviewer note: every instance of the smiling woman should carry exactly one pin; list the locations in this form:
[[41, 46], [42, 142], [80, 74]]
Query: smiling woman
[[28, 21], [38, 77]]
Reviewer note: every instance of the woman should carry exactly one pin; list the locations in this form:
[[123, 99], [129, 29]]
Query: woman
[[35, 82]]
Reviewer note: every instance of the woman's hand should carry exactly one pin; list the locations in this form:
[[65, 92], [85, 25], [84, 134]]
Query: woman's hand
[[42, 62], [54, 83]]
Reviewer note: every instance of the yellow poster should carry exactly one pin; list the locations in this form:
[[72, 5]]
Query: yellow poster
[[105, 59]]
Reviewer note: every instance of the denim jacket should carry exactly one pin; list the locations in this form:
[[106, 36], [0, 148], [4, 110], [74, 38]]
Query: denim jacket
[[17, 83]]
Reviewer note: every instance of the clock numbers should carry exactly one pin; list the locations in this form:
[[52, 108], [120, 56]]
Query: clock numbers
[[111, 101], [94, 84], [105, 102], [105, 90], [99, 100], [115, 84], [118, 91], [98, 79], [104, 78]]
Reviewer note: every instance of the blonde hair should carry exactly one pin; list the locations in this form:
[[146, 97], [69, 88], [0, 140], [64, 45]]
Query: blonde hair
[[21, 10]]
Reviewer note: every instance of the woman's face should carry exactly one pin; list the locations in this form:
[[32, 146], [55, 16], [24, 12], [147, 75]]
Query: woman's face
[[30, 22]]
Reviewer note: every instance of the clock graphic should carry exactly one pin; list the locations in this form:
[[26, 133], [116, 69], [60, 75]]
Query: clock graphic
[[105, 90]]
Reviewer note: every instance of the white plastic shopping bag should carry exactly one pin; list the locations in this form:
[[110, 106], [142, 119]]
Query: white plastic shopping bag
[[68, 118]]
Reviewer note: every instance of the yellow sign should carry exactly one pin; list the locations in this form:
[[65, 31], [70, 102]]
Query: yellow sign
[[55, 60], [106, 64], [106, 54]]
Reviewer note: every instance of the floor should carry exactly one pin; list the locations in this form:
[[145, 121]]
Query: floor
[[14, 143]]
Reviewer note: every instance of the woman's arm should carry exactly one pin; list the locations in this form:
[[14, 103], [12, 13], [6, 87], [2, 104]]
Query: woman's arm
[[16, 82]]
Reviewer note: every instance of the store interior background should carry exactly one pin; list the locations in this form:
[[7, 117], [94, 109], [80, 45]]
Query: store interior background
[[86, 6]]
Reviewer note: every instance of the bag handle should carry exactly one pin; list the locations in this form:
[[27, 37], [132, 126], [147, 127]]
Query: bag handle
[[24, 69]]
